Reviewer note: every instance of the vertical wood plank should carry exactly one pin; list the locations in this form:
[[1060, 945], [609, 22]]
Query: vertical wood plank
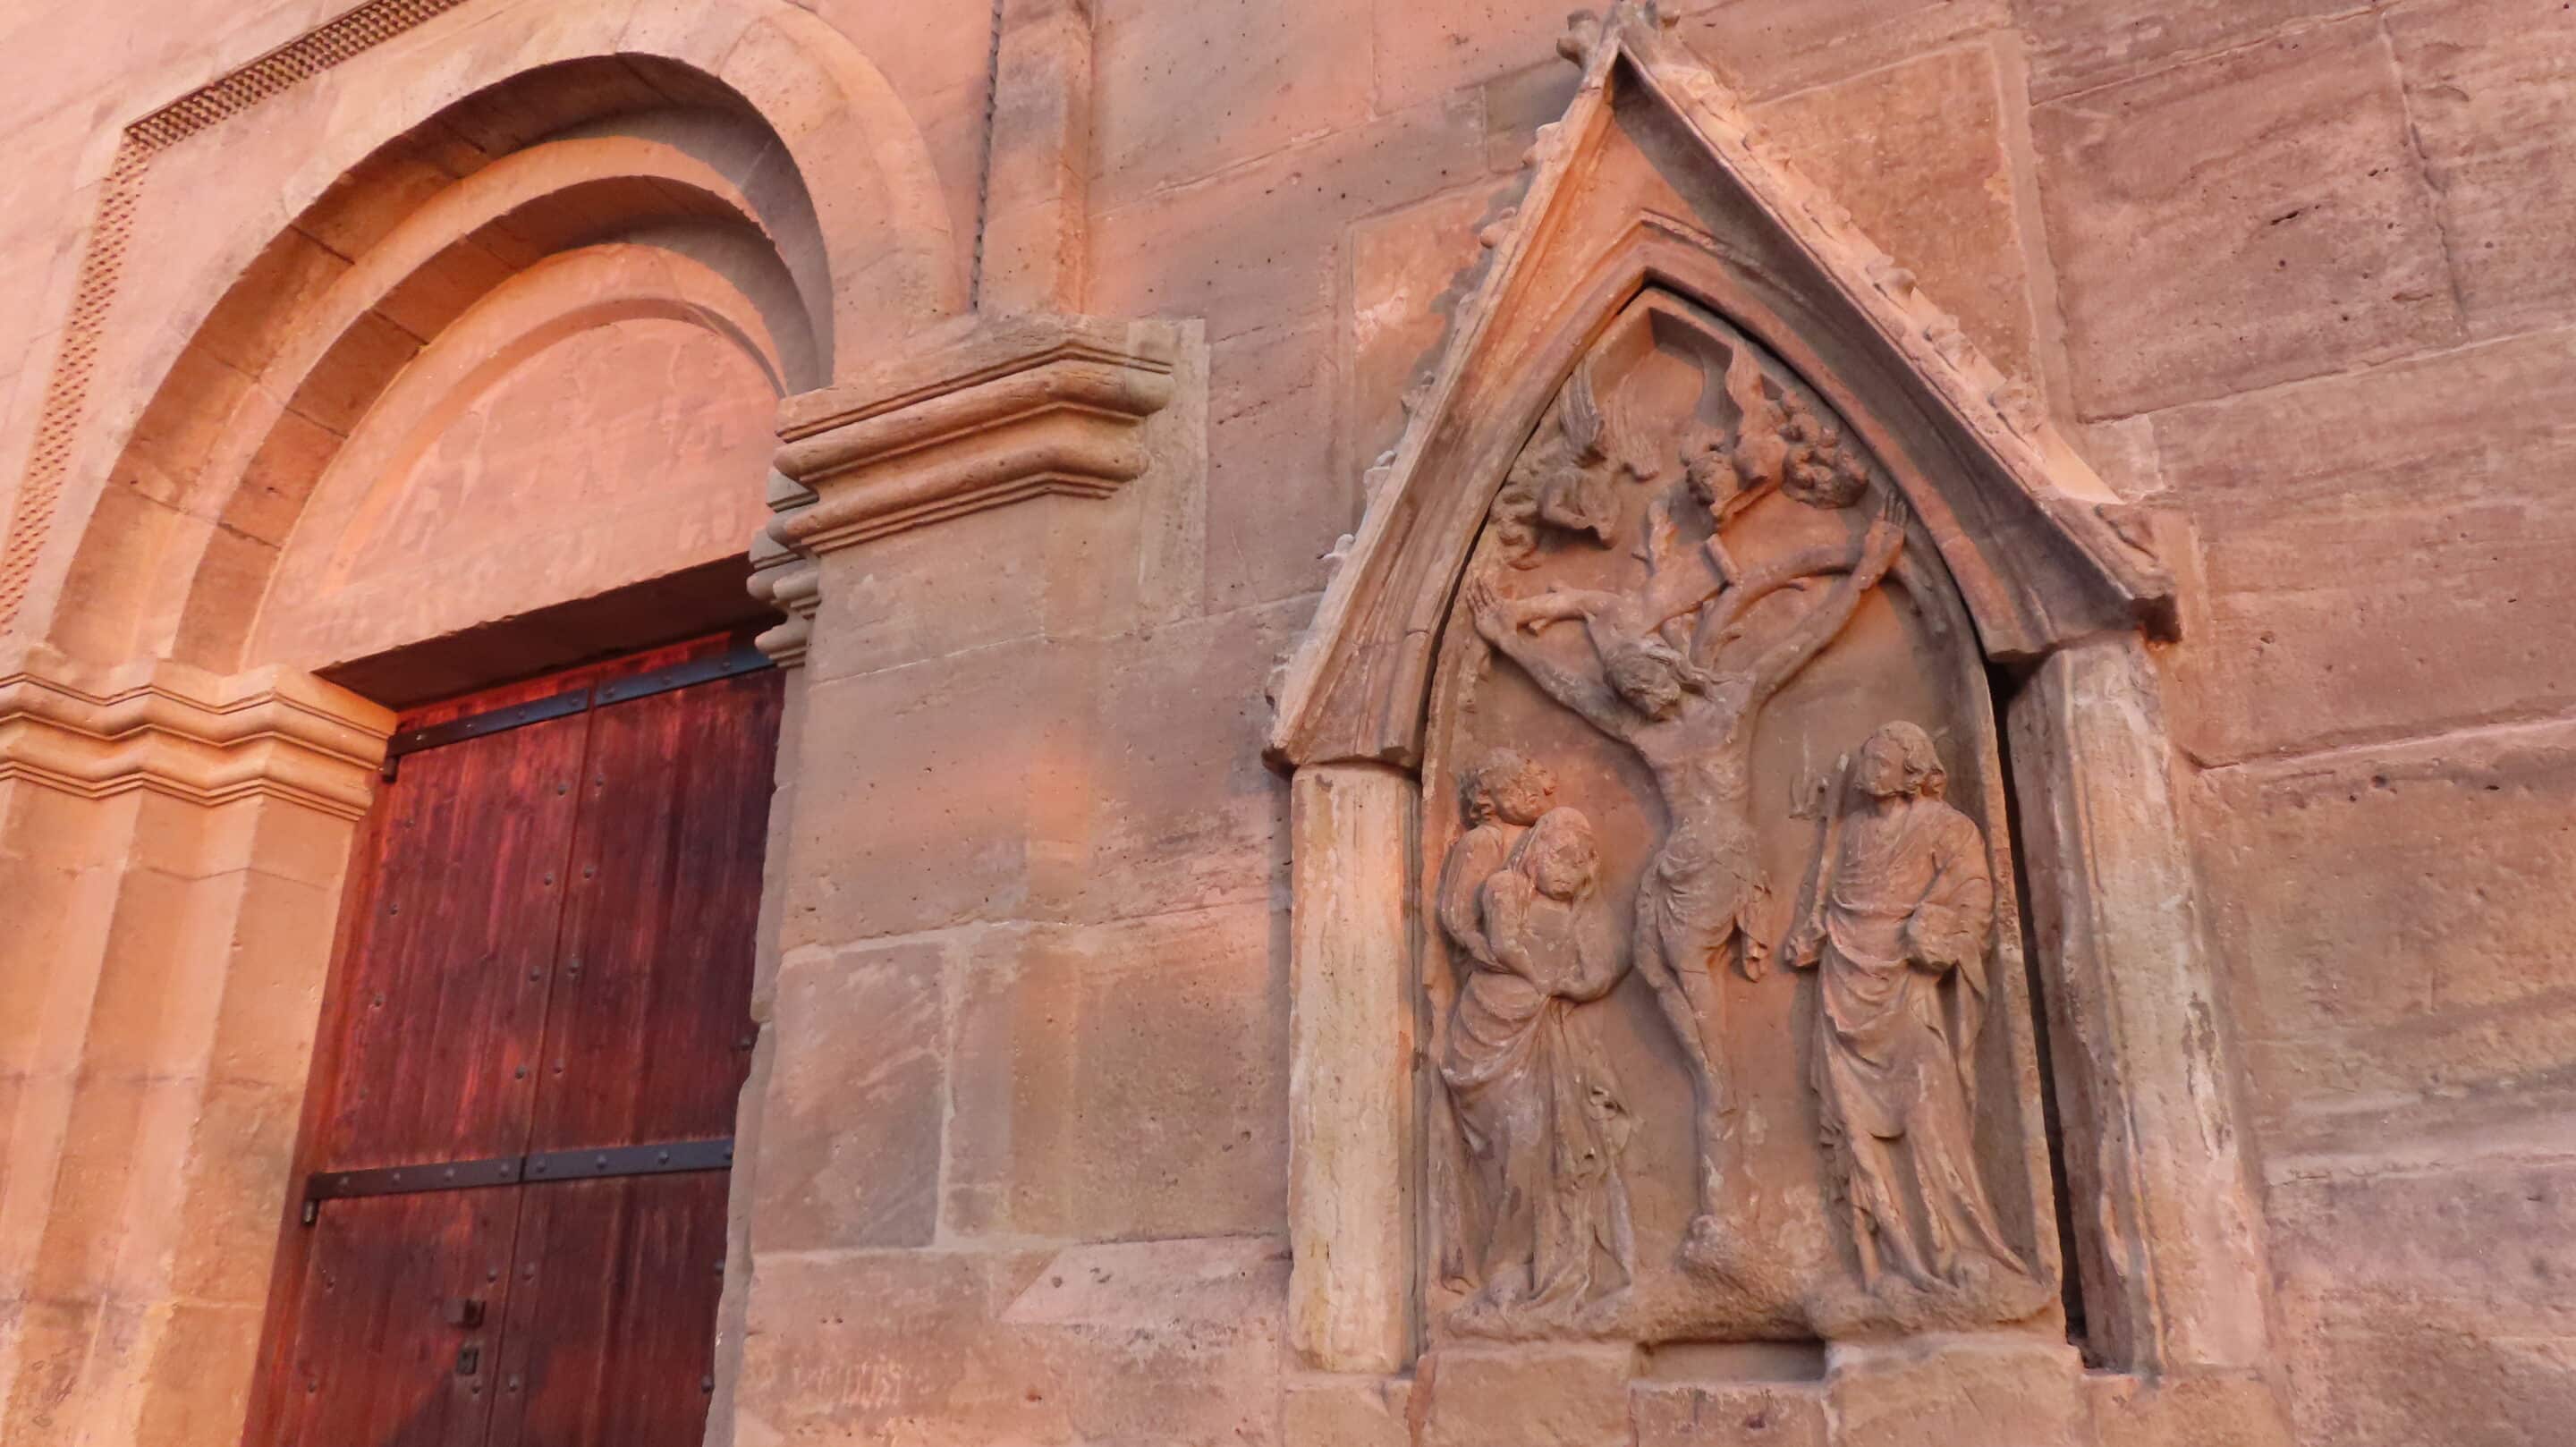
[[611, 1339], [446, 986], [581, 893], [649, 1026], [375, 1361]]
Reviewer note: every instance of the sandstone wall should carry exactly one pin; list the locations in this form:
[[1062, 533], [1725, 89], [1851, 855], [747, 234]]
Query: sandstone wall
[[2305, 269]]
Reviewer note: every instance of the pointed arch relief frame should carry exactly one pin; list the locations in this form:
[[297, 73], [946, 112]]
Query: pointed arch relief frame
[[1655, 180]]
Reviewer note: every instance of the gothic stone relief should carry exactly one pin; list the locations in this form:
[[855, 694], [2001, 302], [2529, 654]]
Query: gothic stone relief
[[1702, 649]]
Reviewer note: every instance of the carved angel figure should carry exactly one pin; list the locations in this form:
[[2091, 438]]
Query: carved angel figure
[[1692, 725], [1895, 920], [1542, 1117], [1565, 477]]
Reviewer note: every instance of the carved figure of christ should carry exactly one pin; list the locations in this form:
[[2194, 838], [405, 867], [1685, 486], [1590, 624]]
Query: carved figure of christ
[[1692, 727]]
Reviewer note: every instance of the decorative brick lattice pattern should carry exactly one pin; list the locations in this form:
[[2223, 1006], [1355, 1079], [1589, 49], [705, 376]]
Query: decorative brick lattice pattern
[[102, 264]]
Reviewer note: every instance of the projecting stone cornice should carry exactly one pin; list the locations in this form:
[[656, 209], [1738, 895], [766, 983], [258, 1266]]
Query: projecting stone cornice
[[187, 733], [1010, 408]]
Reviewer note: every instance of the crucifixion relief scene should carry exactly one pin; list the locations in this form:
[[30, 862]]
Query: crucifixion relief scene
[[1287, 723], [1731, 1027]]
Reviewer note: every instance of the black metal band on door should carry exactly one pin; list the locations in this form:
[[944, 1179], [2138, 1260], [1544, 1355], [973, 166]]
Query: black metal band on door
[[659, 1158], [741, 658]]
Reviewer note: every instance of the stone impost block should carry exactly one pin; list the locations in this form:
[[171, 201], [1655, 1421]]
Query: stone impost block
[[1018, 408], [180, 731]]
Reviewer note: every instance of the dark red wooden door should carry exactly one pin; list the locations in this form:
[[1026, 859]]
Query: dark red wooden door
[[550, 966]]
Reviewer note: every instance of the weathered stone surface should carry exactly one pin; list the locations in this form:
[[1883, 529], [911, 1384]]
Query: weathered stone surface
[[850, 1128], [1153, 1342], [1518, 103], [238, 1174], [2172, 1267], [1330, 1409], [903, 599], [2377, 916], [1186, 817], [1055, 1131], [1729, 1414], [2236, 1410], [1271, 416], [1410, 271], [1350, 1089], [1772, 49], [2488, 90], [2078, 44], [2402, 1383], [2241, 220], [895, 1344], [1040, 786], [1428, 51], [1918, 153], [944, 817], [1187, 92], [2473, 1242], [1170, 1340], [1938, 1392], [2350, 601], [1255, 247], [201, 1358], [1530, 1396]]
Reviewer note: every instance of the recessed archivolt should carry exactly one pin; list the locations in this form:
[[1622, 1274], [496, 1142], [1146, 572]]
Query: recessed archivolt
[[686, 129], [270, 388]]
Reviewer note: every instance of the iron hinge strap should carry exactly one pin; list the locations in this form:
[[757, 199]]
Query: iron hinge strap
[[596, 1163]]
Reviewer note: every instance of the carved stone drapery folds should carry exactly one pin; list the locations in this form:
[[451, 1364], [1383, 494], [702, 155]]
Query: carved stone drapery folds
[[1655, 714], [1670, 625]]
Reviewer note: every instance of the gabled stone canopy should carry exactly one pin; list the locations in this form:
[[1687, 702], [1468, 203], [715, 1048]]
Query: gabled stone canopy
[[1655, 178]]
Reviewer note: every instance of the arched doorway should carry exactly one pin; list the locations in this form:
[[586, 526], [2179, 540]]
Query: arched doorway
[[483, 388]]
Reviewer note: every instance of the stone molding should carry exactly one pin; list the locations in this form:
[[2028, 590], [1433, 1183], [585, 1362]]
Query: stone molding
[[102, 263], [1015, 408], [189, 734]]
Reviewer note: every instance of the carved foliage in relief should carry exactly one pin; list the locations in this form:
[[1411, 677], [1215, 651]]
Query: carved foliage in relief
[[1696, 601]]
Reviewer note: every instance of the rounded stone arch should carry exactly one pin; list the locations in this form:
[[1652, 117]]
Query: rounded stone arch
[[688, 131]]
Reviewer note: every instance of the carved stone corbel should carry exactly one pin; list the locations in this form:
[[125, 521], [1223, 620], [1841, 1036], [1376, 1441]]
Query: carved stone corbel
[[1019, 408]]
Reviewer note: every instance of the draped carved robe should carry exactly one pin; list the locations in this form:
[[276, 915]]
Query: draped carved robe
[[1902, 903], [1541, 1116]]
